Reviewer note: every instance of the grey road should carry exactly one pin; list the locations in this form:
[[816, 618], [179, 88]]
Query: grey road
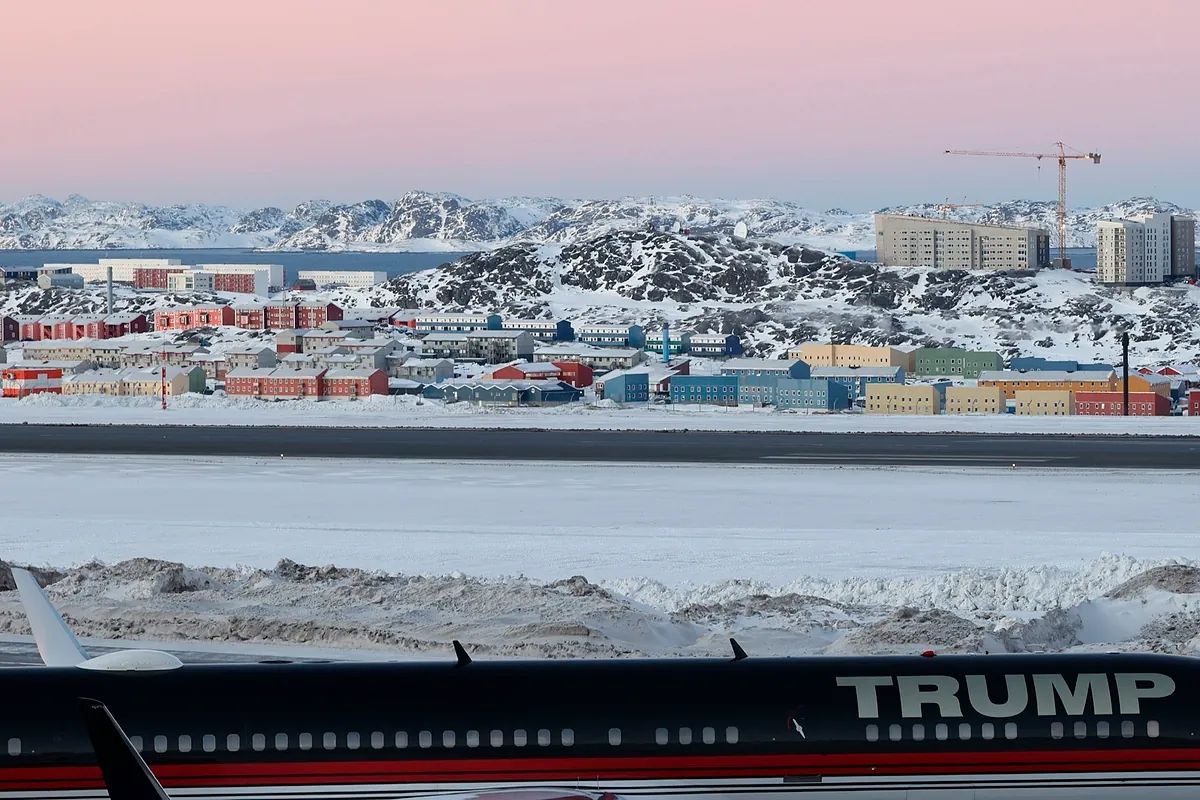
[[1167, 452]]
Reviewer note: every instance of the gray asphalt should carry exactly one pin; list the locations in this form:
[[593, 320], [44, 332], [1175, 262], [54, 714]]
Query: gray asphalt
[[1167, 452]]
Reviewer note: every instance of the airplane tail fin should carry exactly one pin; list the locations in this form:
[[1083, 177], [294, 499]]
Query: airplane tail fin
[[56, 643], [126, 776]]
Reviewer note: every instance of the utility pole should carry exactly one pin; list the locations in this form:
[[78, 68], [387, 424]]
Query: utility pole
[[162, 377], [1125, 372]]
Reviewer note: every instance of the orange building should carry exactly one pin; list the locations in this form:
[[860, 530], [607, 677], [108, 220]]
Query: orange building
[[1012, 382]]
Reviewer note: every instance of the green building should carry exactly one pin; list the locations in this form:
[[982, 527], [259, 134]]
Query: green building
[[956, 361]]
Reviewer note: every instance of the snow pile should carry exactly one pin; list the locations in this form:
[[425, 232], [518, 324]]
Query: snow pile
[[359, 609]]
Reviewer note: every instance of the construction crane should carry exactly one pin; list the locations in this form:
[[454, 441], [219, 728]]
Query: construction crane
[[1062, 155]]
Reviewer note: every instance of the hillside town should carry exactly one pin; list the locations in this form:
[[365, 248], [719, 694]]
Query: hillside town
[[316, 350]]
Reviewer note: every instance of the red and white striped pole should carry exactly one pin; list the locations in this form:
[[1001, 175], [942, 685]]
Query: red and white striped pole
[[162, 379]]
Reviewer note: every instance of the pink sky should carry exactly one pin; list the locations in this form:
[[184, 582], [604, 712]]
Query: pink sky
[[826, 102]]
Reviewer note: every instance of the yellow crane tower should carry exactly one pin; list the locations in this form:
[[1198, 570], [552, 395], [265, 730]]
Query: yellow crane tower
[[1062, 155]]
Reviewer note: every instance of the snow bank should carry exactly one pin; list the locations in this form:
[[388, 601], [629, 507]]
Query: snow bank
[[402, 614]]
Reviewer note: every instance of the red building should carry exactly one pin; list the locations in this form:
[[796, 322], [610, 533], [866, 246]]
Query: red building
[[123, 324], [242, 282], [1194, 403], [29, 328], [24, 381], [347, 384], [89, 328], [282, 316], [276, 384], [252, 318], [314, 315], [9, 329], [182, 318], [540, 371], [578, 375], [153, 277], [1141, 404]]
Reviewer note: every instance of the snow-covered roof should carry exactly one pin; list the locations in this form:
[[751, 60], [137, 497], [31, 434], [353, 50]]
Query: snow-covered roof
[[297, 358], [360, 372], [248, 350], [1046, 376], [497, 382], [403, 383], [495, 334], [533, 368], [117, 319], [52, 363], [746, 364], [585, 350], [277, 372]]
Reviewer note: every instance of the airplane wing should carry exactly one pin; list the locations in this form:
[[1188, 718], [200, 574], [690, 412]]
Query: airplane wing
[[56, 643], [126, 775]]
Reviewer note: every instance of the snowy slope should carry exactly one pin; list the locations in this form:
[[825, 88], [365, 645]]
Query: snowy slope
[[428, 221], [772, 295]]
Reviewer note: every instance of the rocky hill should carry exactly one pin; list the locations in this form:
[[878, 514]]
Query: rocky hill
[[445, 222]]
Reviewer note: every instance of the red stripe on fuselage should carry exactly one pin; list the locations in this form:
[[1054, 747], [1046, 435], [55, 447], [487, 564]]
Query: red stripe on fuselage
[[502, 770]]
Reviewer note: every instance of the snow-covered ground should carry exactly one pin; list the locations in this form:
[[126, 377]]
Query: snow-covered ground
[[584, 559], [409, 412]]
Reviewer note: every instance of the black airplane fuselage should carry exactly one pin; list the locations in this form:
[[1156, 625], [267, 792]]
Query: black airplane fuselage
[[1043, 725]]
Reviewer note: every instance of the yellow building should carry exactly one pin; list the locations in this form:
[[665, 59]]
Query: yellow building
[[127, 382], [893, 398], [1158, 384], [976, 400], [1048, 381], [1036, 403], [853, 355]]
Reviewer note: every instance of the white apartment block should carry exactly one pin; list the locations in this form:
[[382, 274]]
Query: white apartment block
[[122, 268], [194, 280], [903, 241], [1145, 250], [274, 271], [355, 279]]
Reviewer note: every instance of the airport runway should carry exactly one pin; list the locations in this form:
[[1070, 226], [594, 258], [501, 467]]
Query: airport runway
[[704, 447]]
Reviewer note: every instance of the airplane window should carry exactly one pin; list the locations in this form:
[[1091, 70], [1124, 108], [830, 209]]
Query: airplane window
[[281, 741], [1010, 730], [1056, 730], [352, 741], [233, 743], [918, 732], [660, 735], [708, 735], [377, 740], [685, 735], [448, 739], [614, 737], [941, 732], [1080, 729], [497, 738], [472, 738], [185, 743], [894, 733], [401, 740], [1127, 729], [258, 741], [731, 735], [568, 737], [136, 741], [543, 737], [872, 733], [425, 739], [1102, 730], [329, 741], [160, 744], [987, 730], [519, 738], [305, 741], [1152, 729], [964, 730], [208, 743], [14, 747]]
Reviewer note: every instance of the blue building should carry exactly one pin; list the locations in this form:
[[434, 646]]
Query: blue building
[[856, 379], [543, 330], [680, 342], [504, 392], [779, 368], [721, 390], [611, 335], [811, 394], [720, 345], [625, 386], [1032, 364]]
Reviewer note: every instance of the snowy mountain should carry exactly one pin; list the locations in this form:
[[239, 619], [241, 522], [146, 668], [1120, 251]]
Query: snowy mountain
[[424, 221]]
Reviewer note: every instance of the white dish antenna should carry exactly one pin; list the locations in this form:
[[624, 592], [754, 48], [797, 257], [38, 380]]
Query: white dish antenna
[[740, 231]]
